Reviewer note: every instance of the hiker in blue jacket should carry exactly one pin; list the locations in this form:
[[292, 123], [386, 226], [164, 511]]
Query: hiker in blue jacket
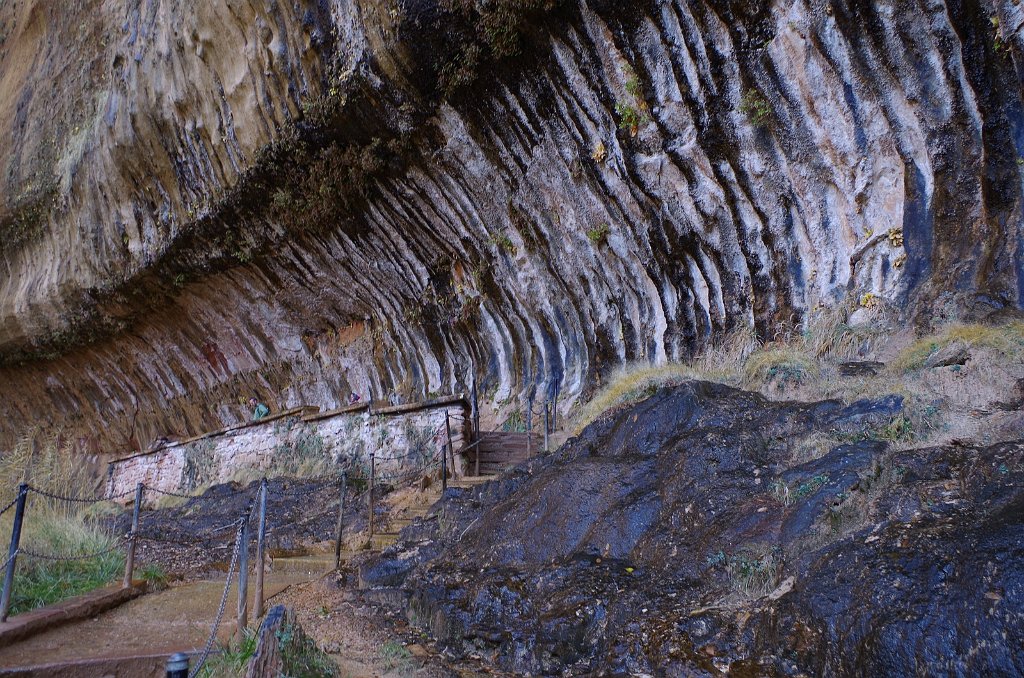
[[259, 409]]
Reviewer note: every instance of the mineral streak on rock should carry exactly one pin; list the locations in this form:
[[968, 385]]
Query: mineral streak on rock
[[205, 200]]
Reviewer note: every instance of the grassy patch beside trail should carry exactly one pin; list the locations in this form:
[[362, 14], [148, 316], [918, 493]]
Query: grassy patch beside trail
[[40, 582], [55, 528]]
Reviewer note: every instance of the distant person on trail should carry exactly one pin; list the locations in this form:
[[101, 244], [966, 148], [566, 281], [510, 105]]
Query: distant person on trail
[[259, 409], [353, 398]]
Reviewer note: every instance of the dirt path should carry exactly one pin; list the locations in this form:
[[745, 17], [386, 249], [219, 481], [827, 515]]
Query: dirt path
[[177, 619], [367, 639]]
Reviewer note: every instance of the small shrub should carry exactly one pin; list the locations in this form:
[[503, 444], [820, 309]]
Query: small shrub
[[598, 234], [154, 576], [232, 660], [779, 363], [755, 572], [504, 242], [394, 654], [630, 117], [756, 106], [900, 429]]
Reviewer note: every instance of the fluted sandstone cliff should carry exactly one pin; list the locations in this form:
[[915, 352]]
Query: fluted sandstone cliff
[[303, 199]]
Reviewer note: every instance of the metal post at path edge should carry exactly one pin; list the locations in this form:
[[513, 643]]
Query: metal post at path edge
[[261, 544], [450, 449], [243, 575], [341, 517], [129, 559], [177, 666], [12, 552], [373, 478], [529, 427], [444, 458], [547, 423]]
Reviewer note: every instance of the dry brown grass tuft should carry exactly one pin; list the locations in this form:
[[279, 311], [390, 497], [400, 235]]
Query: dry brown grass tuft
[[1006, 339], [722, 363]]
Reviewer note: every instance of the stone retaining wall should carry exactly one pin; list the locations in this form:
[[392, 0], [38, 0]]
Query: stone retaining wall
[[302, 442]]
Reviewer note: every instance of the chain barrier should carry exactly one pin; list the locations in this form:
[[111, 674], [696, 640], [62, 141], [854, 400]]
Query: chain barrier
[[71, 559], [76, 500], [223, 598], [10, 506], [9, 558], [180, 495], [188, 541]]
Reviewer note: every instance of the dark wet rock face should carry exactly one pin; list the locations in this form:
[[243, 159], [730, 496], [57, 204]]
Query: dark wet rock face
[[684, 537]]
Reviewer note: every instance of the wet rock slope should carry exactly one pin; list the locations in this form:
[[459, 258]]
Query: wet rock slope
[[304, 199], [707, 530]]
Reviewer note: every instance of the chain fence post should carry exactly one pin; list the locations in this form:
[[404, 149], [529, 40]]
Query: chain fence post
[[12, 552], [449, 449], [444, 462], [475, 406], [177, 665], [373, 481], [261, 545], [554, 410], [129, 559], [547, 423], [243, 575], [529, 427], [341, 517]]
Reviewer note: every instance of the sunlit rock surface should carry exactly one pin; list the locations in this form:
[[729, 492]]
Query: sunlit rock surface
[[203, 201]]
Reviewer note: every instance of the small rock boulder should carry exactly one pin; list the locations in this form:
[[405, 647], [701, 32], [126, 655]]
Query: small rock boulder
[[860, 368], [954, 353]]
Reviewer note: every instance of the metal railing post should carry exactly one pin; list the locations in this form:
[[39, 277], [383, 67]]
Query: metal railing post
[[373, 479], [529, 427], [554, 411], [261, 545], [12, 552], [475, 404], [341, 517], [177, 666], [129, 559], [444, 471], [547, 423], [448, 450], [243, 576]]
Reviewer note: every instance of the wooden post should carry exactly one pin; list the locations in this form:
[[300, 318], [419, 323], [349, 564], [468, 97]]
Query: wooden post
[[129, 560], [373, 475], [243, 577], [261, 545], [340, 525], [12, 552]]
